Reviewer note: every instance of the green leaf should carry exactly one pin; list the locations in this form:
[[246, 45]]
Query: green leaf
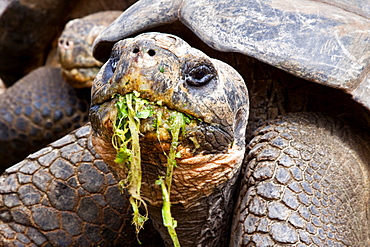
[[178, 155], [145, 113], [123, 156], [122, 110]]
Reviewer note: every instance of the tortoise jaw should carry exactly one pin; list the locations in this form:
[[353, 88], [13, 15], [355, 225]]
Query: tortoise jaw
[[156, 123], [208, 158]]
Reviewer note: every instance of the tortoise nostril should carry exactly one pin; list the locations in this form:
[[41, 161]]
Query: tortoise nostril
[[136, 50], [151, 52], [65, 44]]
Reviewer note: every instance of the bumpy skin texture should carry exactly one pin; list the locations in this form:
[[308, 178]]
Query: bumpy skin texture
[[265, 182], [64, 195], [31, 119], [290, 195], [41, 107], [306, 184]]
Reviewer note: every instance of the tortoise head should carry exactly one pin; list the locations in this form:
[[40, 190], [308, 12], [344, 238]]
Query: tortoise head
[[166, 71], [79, 67]]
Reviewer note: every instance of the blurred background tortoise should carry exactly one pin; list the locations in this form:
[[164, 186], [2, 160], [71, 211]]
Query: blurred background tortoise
[[30, 30], [42, 107]]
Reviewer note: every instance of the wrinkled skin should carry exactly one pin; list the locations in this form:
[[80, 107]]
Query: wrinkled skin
[[68, 164], [294, 190], [220, 103], [306, 183], [289, 194]]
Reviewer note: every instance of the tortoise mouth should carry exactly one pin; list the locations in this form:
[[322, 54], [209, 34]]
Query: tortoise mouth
[[155, 122]]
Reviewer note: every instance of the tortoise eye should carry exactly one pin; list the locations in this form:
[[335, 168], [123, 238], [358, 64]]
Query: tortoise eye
[[110, 67], [113, 63], [200, 75], [114, 59]]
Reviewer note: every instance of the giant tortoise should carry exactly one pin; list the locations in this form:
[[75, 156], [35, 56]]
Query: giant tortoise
[[305, 179], [42, 107]]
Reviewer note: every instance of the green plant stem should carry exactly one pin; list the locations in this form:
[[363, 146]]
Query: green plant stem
[[176, 126], [136, 154], [125, 139], [168, 220], [135, 167]]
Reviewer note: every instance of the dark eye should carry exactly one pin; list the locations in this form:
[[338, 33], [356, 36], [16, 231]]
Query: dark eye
[[200, 75], [111, 66], [113, 63], [114, 57]]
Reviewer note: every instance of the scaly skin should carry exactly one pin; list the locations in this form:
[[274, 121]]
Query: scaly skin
[[306, 182], [31, 119], [42, 107], [281, 225], [64, 195]]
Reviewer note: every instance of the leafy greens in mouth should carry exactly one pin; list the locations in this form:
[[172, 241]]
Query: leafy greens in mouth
[[130, 110]]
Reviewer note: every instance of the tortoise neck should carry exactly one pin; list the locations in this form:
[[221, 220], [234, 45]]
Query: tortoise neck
[[206, 223]]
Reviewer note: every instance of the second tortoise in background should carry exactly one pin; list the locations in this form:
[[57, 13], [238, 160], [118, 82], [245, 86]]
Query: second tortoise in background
[[28, 29], [42, 106]]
